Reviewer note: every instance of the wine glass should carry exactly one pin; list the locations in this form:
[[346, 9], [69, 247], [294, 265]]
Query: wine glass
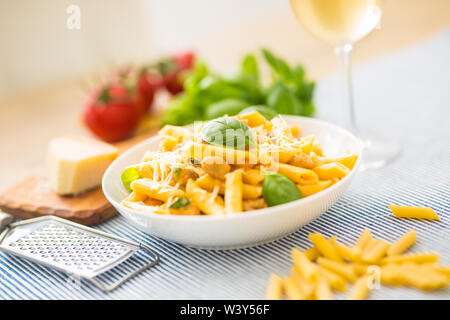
[[341, 23]]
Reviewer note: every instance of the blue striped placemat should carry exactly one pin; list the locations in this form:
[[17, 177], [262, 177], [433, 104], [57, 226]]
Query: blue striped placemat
[[404, 95]]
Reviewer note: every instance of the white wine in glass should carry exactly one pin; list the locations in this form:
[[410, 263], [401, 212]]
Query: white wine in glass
[[341, 23]]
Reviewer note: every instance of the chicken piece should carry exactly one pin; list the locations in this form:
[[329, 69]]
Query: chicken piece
[[182, 175], [215, 167], [302, 160]]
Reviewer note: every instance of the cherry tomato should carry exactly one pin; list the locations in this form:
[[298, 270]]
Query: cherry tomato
[[111, 114]]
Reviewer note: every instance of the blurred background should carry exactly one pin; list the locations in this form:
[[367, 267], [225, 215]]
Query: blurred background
[[46, 68]]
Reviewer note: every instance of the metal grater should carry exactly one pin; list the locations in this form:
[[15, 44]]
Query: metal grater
[[70, 247]]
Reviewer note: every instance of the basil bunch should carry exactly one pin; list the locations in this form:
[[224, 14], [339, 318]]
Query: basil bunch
[[208, 95], [228, 132], [278, 189]]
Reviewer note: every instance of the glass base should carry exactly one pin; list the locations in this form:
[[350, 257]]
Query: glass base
[[377, 152]]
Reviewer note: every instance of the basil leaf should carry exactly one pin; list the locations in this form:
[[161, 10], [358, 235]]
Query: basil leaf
[[281, 99], [250, 65], [128, 176], [180, 203], [278, 189], [229, 107], [268, 113], [278, 65], [228, 132]]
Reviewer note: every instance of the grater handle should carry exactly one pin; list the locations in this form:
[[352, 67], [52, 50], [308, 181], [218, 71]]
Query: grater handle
[[5, 220], [118, 283]]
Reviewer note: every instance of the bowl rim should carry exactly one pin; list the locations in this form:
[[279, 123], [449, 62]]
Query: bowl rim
[[247, 214]]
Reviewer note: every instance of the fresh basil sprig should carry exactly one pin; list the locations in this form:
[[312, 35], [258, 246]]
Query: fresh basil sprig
[[208, 95], [278, 189], [128, 176], [180, 203], [228, 132]]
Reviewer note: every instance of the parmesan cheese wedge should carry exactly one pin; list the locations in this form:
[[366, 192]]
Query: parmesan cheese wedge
[[77, 164]]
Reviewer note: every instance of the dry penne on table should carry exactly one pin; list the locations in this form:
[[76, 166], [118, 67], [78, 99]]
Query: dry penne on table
[[330, 265]]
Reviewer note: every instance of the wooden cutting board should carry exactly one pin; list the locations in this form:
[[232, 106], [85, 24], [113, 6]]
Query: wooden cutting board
[[32, 197]]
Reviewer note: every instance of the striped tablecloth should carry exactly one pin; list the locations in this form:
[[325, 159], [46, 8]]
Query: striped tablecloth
[[404, 95]]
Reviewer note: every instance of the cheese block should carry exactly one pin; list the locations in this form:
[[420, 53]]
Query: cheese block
[[77, 164]]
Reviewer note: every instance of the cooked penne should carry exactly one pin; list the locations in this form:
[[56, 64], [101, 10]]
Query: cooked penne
[[212, 154], [155, 190], [331, 170], [297, 174], [253, 176], [207, 202], [348, 161], [309, 189], [136, 197], [248, 191], [414, 212], [233, 192]]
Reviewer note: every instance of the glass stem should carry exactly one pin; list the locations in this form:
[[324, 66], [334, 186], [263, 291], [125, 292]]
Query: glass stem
[[343, 54]]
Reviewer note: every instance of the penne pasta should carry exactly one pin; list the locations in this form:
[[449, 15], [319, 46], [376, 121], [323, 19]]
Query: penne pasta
[[402, 244], [323, 289], [219, 167], [274, 288], [206, 202], [248, 191], [413, 257], [304, 285], [346, 252], [233, 192], [155, 190], [303, 265], [324, 247], [297, 174], [331, 170], [344, 270], [360, 290], [309, 189], [292, 290], [414, 212]]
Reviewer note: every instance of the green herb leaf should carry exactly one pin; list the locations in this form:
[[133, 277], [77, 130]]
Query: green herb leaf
[[228, 132], [180, 202], [229, 107], [283, 100], [278, 189], [278, 65], [250, 65], [268, 113], [128, 176]]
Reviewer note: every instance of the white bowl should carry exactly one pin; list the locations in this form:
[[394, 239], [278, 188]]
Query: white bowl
[[239, 230]]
